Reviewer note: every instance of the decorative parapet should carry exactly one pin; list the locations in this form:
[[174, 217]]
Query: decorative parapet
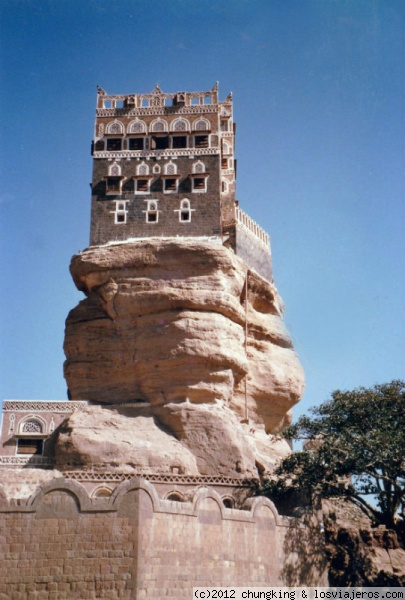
[[58, 406], [105, 476], [243, 221], [154, 111], [167, 152]]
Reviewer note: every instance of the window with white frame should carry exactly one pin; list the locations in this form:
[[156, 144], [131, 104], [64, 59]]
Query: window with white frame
[[142, 179], [198, 167], [180, 124], [201, 125], [152, 212], [32, 426], [199, 183], [120, 212], [142, 186], [32, 432], [142, 169], [185, 211], [158, 125], [137, 126], [114, 170], [115, 127], [170, 179]]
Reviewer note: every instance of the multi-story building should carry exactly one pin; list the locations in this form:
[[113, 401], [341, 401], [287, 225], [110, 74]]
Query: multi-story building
[[164, 166]]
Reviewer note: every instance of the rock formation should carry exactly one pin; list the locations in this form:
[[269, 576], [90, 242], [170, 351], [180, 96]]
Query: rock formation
[[359, 554], [190, 348]]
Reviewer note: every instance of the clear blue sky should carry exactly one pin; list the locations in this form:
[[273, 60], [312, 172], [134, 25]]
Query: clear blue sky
[[318, 89]]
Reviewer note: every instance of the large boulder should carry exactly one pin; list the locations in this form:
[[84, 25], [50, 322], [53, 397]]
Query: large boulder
[[186, 327]]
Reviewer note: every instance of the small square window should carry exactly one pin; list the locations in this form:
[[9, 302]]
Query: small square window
[[160, 143], [151, 217], [185, 215], [170, 185], [136, 143], [142, 186], [114, 144], [179, 141], [121, 217], [114, 184], [30, 446], [201, 141], [199, 184]]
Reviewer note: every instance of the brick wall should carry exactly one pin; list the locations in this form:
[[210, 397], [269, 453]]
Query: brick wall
[[133, 545]]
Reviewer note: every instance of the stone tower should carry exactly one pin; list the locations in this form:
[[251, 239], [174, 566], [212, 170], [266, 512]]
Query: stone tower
[[164, 166]]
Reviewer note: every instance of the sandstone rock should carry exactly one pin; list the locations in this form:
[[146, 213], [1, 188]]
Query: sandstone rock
[[165, 322], [359, 554], [99, 437]]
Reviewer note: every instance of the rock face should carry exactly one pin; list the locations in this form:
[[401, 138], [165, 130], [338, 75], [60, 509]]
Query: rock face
[[188, 331], [359, 554]]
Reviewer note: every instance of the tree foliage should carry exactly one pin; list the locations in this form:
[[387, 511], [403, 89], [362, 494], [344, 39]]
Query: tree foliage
[[355, 447]]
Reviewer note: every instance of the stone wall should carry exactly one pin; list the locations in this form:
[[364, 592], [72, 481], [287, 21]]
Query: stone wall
[[61, 543], [254, 253], [205, 206]]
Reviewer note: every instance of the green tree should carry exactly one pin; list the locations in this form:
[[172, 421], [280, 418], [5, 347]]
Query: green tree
[[355, 448]]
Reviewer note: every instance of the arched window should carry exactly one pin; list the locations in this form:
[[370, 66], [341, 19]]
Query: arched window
[[137, 126], [185, 211], [32, 431], [115, 127], [142, 169], [180, 125], [152, 212], [175, 497], [170, 169], [158, 125], [102, 491], [201, 125], [228, 502], [198, 167], [114, 170], [226, 147], [32, 426]]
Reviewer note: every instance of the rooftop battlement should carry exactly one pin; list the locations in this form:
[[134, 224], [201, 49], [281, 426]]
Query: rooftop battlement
[[159, 99]]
